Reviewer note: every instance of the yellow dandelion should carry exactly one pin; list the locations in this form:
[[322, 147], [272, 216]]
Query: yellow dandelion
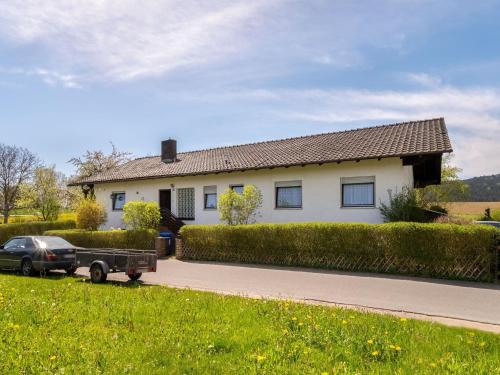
[[370, 342], [482, 344], [375, 353], [324, 373], [398, 348], [294, 318], [260, 358], [53, 358], [301, 324], [392, 347], [433, 365], [344, 321], [403, 320]]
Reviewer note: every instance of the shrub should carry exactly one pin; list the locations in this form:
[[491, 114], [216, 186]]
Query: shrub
[[110, 239], [90, 215], [440, 250], [142, 215], [403, 206], [35, 228], [241, 208]]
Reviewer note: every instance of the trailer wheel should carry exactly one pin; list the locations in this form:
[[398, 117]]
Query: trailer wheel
[[97, 274], [135, 276]]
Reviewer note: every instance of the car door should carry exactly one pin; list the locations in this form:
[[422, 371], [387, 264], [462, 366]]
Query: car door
[[22, 248], [7, 254]]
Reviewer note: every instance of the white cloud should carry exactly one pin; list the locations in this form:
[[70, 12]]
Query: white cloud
[[425, 79], [50, 77], [122, 40], [127, 39]]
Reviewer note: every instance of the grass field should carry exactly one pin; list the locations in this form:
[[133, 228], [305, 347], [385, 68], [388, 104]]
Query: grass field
[[471, 207], [27, 218], [65, 325]]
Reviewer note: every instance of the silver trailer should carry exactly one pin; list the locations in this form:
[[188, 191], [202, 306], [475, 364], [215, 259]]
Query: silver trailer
[[103, 261]]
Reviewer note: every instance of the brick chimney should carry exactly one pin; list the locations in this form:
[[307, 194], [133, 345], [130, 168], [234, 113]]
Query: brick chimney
[[169, 151]]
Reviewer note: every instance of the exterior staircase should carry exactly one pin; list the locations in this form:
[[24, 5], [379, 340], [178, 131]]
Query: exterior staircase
[[170, 222]]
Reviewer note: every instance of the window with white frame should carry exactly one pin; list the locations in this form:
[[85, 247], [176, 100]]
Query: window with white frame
[[288, 194], [185, 203], [237, 188], [210, 197], [117, 201], [358, 191]]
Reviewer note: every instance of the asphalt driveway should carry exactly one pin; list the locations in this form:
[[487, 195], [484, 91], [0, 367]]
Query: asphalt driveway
[[455, 303]]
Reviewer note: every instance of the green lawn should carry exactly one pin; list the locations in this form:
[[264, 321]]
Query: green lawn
[[65, 325]]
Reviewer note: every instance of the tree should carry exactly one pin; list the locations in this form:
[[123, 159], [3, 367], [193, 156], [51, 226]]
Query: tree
[[241, 208], [142, 215], [98, 161], [17, 166], [451, 187], [90, 215], [47, 193]]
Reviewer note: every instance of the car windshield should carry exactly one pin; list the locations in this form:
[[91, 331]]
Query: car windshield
[[52, 243]]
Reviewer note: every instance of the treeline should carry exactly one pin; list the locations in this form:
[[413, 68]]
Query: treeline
[[482, 189]]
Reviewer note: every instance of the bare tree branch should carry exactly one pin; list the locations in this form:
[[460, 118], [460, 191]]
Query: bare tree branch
[[93, 162], [17, 166]]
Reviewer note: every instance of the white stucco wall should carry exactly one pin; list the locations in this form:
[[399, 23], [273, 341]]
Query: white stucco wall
[[321, 191]]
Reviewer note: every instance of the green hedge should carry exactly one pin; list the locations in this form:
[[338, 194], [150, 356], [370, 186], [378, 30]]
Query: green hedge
[[116, 239], [439, 250], [34, 228]]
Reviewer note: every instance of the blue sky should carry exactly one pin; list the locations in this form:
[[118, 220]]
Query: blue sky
[[76, 75]]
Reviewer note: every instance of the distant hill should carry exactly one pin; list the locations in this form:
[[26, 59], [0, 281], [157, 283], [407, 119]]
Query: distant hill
[[484, 188]]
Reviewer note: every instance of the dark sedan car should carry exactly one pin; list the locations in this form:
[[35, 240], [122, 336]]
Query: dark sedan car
[[32, 254]]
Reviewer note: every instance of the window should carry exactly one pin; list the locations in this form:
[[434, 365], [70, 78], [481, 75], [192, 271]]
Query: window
[[118, 201], [185, 203], [358, 192], [237, 188], [16, 243], [210, 197], [289, 194]]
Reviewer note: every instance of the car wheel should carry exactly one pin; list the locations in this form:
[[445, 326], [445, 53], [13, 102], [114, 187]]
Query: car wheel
[[27, 268], [135, 276], [97, 274]]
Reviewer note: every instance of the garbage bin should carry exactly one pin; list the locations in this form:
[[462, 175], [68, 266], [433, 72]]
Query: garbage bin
[[170, 243]]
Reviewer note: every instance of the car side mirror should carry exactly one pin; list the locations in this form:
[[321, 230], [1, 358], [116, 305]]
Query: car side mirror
[[1, 247]]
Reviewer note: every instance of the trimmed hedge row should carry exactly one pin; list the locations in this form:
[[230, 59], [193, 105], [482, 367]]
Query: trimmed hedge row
[[439, 250], [34, 228], [110, 239]]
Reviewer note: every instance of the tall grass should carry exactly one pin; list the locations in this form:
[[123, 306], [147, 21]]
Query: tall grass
[[55, 326]]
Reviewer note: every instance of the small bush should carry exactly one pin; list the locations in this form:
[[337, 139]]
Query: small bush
[[90, 215], [241, 208], [110, 239], [403, 206], [35, 228], [438, 250], [142, 215]]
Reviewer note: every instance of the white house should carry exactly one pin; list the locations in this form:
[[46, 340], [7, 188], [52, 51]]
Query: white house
[[341, 176]]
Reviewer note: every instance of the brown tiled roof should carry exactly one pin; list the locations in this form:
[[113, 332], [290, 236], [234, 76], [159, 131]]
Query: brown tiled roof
[[396, 140]]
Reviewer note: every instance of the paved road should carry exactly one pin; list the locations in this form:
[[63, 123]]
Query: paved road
[[455, 303]]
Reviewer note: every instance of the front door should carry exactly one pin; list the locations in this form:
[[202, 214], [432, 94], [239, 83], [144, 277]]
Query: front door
[[166, 199]]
